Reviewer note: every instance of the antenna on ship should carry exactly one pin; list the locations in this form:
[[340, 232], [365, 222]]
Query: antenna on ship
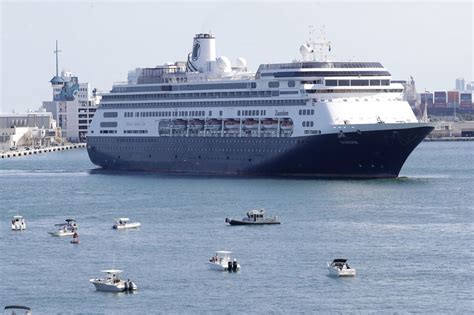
[[57, 51], [316, 49]]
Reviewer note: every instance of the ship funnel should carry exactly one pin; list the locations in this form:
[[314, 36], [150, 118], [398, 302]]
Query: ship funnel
[[203, 54]]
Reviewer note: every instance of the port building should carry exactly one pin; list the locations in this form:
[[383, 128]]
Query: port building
[[28, 129]]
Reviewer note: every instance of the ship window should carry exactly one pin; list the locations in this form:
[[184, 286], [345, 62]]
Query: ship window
[[331, 82], [374, 82], [210, 113], [273, 84], [359, 82], [343, 82], [385, 82], [238, 113], [110, 114], [291, 83]]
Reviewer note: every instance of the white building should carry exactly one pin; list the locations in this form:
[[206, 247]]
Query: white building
[[28, 129], [73, 105]]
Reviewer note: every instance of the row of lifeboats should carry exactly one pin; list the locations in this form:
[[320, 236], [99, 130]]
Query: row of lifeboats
[[229, 124]]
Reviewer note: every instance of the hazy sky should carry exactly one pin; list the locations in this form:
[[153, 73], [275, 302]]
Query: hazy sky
[[101, 41]]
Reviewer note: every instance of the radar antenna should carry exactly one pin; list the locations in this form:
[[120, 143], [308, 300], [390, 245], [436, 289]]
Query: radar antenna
[[316, 49]]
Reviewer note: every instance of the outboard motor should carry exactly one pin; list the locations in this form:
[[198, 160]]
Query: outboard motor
[[227, 220], [229, 266], [234, 266], [126, 286]]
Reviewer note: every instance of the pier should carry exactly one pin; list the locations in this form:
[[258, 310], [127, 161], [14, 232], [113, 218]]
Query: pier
[[23, 152]]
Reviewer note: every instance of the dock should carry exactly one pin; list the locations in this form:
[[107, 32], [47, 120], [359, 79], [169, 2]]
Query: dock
[[23, 152]]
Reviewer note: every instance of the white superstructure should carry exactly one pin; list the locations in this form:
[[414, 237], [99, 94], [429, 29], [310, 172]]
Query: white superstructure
[[332, 96]]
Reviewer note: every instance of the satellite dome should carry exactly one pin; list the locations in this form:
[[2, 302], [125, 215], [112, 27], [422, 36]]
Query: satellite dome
[[223, 64], [305, 50], [241, 63]]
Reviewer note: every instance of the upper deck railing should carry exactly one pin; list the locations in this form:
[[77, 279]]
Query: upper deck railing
[[316, 64]]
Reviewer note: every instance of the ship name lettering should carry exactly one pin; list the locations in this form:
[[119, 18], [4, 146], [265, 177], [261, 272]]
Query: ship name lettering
[[277, 113]]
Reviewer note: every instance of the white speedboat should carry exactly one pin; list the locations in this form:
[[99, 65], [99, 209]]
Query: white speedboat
[[17, 310], [113, 283], [222, 261], [254, 217], [124, 223], [18, 223], [340, 268], [65, 229]]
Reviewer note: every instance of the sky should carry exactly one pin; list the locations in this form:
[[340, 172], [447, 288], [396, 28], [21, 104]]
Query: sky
[[100, 41]]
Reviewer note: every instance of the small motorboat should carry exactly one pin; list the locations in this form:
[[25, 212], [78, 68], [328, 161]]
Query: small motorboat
[[254, 217], [18, 223], [17, 310], [113, 283], [222, 261], [75, 238], [65, 229], [124, 223], [340, 268]]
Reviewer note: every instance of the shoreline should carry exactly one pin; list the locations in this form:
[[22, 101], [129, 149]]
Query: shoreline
[[447, 139]]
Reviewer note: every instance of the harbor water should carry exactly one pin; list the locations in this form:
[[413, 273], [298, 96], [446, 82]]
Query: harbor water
[[410, 239]]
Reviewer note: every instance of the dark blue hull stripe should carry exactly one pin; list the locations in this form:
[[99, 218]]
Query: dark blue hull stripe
[[371, 154]]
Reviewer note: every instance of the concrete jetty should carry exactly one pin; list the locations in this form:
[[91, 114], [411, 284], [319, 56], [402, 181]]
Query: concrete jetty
[[23, 152]]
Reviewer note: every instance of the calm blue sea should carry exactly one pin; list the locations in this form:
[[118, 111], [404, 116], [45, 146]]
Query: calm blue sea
[[410, 239]]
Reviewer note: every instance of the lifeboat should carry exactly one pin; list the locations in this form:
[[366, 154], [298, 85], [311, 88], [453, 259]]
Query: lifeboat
[[232, 124], [286, 125], [250, 124], [270, 124], [178, 124], [196, 124], [213, 124]]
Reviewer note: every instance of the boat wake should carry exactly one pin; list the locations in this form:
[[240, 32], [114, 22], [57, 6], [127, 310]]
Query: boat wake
[[42, 172]]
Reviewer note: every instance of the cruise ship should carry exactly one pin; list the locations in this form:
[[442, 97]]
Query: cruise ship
[[307, 118]]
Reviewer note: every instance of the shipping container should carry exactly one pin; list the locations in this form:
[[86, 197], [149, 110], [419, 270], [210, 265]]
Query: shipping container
[[426, 98], [440, 99], [453, 97], [466, 100]]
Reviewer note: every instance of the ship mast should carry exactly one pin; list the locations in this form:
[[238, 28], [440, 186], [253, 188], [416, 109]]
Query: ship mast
[[316, 49], [57, 51]]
